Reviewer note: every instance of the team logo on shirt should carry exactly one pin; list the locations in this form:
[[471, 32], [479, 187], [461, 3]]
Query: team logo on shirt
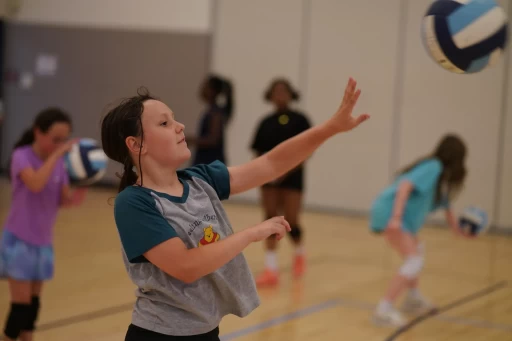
[[210, 236], [284, 119]]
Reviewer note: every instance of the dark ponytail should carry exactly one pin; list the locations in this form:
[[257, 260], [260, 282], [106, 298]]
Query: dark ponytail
[[119, 123], [43, 122], [223, 87], [25, 139], [227, 91], [129, 177]]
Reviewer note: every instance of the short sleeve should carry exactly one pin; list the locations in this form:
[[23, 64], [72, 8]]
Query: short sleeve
[[306, 123], [258, 141], [19, 162], [425, 175], [140, 224], [216, 174]]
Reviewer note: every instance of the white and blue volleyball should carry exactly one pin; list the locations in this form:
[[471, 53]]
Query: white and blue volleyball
[[473, 220], [465, 36], [86, 162]]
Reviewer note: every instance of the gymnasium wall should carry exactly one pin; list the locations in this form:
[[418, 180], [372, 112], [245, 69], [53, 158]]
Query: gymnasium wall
[[104, 51], [413, 102], [255, 41], [316, 44], [161, 15]]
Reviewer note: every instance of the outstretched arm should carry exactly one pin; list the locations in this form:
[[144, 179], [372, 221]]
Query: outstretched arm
[[292, 152], [36, 179]]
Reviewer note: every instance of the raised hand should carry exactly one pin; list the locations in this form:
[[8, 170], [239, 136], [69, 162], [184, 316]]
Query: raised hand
[[343, 120], [65, 147]]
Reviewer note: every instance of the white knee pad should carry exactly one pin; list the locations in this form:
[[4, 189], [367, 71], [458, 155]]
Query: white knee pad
[[412, 266]]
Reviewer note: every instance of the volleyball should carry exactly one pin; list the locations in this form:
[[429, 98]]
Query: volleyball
[[465, 36], [473, 220], [86, 162]]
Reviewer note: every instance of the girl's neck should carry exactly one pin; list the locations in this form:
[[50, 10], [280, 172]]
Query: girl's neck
[[283, 109], [38, 151], [161, 180]]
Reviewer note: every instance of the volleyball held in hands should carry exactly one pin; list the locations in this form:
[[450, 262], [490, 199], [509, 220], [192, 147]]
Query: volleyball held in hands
[[86, 162]]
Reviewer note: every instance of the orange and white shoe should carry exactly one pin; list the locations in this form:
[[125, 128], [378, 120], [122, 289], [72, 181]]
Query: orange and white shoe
[[267, 278], [299, 265]]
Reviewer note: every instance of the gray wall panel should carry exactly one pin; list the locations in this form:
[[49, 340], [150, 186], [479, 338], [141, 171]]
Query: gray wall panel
[[96, 68]]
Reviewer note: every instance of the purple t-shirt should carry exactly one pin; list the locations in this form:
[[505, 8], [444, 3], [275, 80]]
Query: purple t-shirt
[[32, 215]]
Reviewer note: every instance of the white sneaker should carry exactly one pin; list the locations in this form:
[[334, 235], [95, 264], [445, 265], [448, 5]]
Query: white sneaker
[[416, 304], [390, 317]]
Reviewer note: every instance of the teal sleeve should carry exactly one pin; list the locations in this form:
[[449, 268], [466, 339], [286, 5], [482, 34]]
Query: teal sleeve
[[140, 224], [216, 174], [424, 176]]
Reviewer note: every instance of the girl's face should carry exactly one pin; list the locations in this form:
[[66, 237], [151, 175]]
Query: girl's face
[[164, 138], [48, 142], [280, 95]]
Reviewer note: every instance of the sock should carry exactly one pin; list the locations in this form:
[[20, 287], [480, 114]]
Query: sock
[[271, 260], [384, 306], [299, 250]]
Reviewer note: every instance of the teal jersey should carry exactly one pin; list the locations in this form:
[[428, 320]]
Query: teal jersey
[[421, 202]]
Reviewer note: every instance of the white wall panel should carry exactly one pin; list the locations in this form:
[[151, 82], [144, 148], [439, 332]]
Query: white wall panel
[[352, 38]]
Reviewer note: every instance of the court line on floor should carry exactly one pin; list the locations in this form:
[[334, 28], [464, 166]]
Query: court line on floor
[[119, 308], [83, 317], [451, 305], [279, 320], [314, 261], [368, 307], [347, 303]]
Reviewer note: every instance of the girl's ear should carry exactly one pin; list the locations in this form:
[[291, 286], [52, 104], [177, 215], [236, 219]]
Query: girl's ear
[[133, 144]]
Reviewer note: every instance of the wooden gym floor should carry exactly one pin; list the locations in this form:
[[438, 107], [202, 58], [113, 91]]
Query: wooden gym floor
[[90, 297]]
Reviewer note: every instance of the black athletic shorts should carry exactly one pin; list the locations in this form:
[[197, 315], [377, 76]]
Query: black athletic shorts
[[135, 333], [293, 180]]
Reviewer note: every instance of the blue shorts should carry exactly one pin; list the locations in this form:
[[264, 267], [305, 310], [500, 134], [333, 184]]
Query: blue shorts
[[25, 262]]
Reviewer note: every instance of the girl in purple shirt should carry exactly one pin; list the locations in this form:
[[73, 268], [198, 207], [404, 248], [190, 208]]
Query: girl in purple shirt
[[40, 186]]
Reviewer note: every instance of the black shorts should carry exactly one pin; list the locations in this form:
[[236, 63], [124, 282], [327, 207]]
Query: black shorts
[[293, 180], [135, 333]]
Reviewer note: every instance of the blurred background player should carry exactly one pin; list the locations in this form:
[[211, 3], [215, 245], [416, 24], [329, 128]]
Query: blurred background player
[[40, 186], [217, 93], [400, 211], [283, 196]]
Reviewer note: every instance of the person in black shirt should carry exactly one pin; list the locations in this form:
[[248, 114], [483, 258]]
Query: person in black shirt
[[285, 194], [217, 93]]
